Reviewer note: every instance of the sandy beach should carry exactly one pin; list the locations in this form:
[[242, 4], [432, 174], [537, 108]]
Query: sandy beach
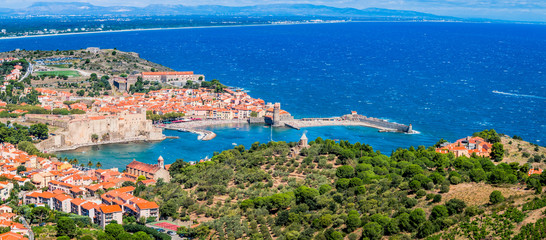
[[156, 29]]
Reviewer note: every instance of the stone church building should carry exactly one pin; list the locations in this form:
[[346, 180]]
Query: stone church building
[[150, 171]]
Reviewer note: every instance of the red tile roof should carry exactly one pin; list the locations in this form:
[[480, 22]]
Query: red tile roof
[[110, 208], [47, 195], [77, 201], [62, 197], [535, 171], [148, 168], [147, 205], [12, 236]]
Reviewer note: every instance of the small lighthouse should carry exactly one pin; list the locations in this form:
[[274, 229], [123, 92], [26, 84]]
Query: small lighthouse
[[303, 141], [160, 162]]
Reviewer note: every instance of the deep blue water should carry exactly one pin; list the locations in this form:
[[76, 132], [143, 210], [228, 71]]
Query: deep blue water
[[438, 76]]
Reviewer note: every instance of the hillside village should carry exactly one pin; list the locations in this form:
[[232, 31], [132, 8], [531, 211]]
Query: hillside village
[[101, 195], [129, 112]]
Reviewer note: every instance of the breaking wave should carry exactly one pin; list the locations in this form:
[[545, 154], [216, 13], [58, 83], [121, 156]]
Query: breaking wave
[[518, 95]]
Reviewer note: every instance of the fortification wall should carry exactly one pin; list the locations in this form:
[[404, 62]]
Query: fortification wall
[[110, 128], [51, 142], [257, 120], [51, 120]]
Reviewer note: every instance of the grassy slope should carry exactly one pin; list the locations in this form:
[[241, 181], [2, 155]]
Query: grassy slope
[[69, 73], [104, 63], [513, 153]]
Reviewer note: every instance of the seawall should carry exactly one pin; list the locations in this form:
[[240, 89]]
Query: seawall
[[347, 120], [73, 147]]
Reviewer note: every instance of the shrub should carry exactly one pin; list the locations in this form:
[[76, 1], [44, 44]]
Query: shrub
[[430, 196], [345, 171], [496, 197], [497, 152], [426, 229], [372, 231], [417, 217], [444, 188], [324, 189], [133, 228], [438, 211], [342, 183], [415, 185], [477, 175], [455, 180], [355, 182], [360, 190], [472, 211], [455, 206], [353, 221], [421, 193]]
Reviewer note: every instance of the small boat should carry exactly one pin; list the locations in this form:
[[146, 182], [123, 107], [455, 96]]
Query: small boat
[[234, 144]]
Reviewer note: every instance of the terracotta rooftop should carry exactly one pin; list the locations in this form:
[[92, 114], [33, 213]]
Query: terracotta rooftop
[[77, 201], [47, 195], [12, 236], [148, 168], [126, 189], [110, 208], [89, 205], [62, 197], [147, 205]]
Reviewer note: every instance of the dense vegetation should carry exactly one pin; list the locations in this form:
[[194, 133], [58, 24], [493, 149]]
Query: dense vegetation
[[31, 109], [214, 84], [96, 85], [6, 67], [14, 94], [163, 117], [144, 86], [15, 133], [334, 190]]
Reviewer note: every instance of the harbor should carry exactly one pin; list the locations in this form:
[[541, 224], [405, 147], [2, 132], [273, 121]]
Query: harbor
[[353, 119]]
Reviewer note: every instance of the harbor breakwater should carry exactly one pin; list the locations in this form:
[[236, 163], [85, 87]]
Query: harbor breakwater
[[345, 120], [197, 127]]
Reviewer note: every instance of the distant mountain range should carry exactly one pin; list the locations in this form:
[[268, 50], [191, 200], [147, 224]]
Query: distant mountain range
[[276, 10]]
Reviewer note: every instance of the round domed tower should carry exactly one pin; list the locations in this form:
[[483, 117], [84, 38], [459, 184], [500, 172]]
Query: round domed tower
[[161, 162], [303, 141]]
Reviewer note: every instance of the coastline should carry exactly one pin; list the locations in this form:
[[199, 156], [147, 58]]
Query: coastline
[[74, 147], [219, 26], [171, 28], [196, 127]]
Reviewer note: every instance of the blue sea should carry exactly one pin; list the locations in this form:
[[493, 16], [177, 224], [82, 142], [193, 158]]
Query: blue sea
[[447, 79]]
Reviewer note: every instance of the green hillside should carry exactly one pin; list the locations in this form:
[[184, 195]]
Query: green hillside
[[339, 190]]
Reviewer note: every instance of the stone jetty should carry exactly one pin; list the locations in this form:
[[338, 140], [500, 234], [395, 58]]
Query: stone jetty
[[352, 119], [297, 124], [197, 127]]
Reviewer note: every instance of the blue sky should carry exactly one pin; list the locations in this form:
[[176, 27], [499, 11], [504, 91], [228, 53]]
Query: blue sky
[[530, 10]]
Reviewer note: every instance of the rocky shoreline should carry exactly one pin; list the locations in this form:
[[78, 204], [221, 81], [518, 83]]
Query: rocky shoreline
[[74, 147]]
